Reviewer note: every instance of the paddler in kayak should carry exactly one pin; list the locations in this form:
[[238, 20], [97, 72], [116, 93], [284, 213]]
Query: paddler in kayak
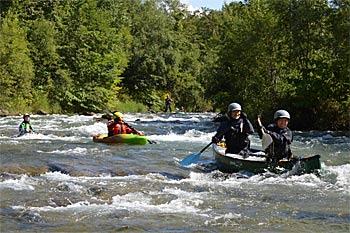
[[235, 130], [118, 126], [25, 126], [281, 136]]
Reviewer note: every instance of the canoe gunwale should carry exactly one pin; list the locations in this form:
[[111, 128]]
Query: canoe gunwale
[[231, 163]]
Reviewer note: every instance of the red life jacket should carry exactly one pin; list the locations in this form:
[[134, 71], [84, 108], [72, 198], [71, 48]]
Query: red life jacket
[[117, 128]]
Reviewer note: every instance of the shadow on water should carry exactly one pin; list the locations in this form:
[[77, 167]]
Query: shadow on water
[[339, 221]]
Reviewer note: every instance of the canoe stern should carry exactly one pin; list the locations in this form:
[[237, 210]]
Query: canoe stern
[[230, 163]]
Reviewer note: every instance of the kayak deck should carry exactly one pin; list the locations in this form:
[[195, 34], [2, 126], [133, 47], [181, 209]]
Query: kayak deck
[[131, 139]]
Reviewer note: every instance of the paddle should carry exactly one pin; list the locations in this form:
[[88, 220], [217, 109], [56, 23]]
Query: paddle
[[193, 158], [149, 141], [266, 138]]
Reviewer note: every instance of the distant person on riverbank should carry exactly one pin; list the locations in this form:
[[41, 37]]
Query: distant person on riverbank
[[118, 126], [281, 135], [168, 103], [25, 126], [235, 130]]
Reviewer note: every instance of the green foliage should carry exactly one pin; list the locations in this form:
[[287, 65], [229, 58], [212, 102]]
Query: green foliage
[[50, 77], [88, 55], [95, 52], [164, 56], [280, 54], [16, 67], [130, 106], [41, 101]]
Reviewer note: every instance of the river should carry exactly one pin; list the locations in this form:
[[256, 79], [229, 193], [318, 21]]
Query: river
[[59, 180]]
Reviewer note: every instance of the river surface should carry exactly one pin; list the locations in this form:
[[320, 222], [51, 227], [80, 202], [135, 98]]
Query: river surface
[[59, 180]]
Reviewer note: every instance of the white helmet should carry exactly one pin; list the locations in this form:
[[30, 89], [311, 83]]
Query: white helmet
[[281, 114], [233, 107]]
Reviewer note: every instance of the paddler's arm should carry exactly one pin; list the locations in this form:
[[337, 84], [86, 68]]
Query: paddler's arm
[[261, 128], [247, 126], [31, 128], [130, 129], [21, 129]]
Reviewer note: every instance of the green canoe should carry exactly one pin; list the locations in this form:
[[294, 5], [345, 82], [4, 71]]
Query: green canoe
[[130, 139], [257, 163]]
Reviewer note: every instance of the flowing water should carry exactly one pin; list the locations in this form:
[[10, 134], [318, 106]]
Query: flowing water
[[59, 180]]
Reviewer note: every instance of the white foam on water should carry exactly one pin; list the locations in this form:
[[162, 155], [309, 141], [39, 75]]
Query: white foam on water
[[342, 176], [39, 136], [181, 202], [208, 180], [227, 220], [143, 202], [74, 118], [90, 130], [57, 176], [76, 151], [24, 183], [309, 180], [190, 135], [9, 141], [79, 206], [165, 117]]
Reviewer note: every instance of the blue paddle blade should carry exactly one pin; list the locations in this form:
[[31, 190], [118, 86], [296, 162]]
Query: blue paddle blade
[[192, 158]]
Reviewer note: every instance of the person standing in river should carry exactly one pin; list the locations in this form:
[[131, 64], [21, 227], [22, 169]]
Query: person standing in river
[[281, 136], [235, 130], [168, 103], [25, 126]]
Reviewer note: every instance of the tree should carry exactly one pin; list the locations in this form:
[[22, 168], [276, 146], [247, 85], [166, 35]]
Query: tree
[[165, 56], [320, 89], [95, 52], [16, 67]]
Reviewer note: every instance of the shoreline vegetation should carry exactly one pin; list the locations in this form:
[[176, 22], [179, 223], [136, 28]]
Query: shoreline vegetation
[[80, 56], [129, 106]]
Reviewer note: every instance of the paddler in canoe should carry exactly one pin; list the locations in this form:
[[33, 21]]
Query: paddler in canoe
[[235, 130], [277, 157], [280, 136]]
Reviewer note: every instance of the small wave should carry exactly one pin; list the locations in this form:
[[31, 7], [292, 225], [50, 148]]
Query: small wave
[[77, 150], [178, 201], [338, 177], [23, 183]]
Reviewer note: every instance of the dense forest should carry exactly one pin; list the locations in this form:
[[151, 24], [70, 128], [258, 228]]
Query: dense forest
[[67, 56]]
